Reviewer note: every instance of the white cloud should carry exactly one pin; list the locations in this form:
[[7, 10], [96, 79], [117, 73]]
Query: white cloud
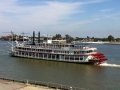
[[29, 17], [40, 16], [50, 16], [6, 4], [95, 24], [50, 13]]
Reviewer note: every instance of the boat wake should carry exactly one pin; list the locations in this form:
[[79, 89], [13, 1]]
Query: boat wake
[[110, 65]]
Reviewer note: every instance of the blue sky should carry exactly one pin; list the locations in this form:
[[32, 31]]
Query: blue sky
[[79, 18]]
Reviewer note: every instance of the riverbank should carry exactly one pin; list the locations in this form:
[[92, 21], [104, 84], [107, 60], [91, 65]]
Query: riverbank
[[12, 85]]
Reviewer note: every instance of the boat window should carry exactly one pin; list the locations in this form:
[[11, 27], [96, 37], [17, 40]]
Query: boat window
[[81, 58], [67, 52], [29, 54], [45, 55], [75, 52], [37, 54], [76, 57], [88, 51], [71, 57], [40, 55], [49, 55], [66, 57], [19, 47], [53, 56], [22, 53], [91, 51], [82, 51]]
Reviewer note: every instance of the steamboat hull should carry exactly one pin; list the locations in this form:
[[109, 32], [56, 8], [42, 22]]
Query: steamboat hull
[[92, 62]]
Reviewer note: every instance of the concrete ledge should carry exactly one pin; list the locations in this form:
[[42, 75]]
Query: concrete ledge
[[12, 85]]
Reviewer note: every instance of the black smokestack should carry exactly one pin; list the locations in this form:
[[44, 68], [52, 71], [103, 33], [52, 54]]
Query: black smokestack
[[38, 37], [33, 37]]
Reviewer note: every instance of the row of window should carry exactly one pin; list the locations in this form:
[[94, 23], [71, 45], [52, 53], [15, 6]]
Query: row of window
[[56, 51], [53, 56]]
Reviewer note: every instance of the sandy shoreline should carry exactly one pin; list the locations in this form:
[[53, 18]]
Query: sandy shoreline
[[10, 85]]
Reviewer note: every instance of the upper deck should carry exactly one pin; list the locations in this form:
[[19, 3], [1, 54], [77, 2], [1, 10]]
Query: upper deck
[[56, 48]]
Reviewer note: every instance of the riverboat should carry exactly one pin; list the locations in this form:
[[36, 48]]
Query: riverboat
[[58, 50]]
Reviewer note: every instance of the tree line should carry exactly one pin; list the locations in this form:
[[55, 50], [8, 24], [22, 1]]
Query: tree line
[[68, 38]]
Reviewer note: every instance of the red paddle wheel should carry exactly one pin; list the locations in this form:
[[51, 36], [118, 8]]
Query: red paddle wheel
[[98, 58]]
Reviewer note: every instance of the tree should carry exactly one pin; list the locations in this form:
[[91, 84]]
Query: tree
[[110, 38], [117, 39], [69, 38], [57, 37], [77, 38]]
